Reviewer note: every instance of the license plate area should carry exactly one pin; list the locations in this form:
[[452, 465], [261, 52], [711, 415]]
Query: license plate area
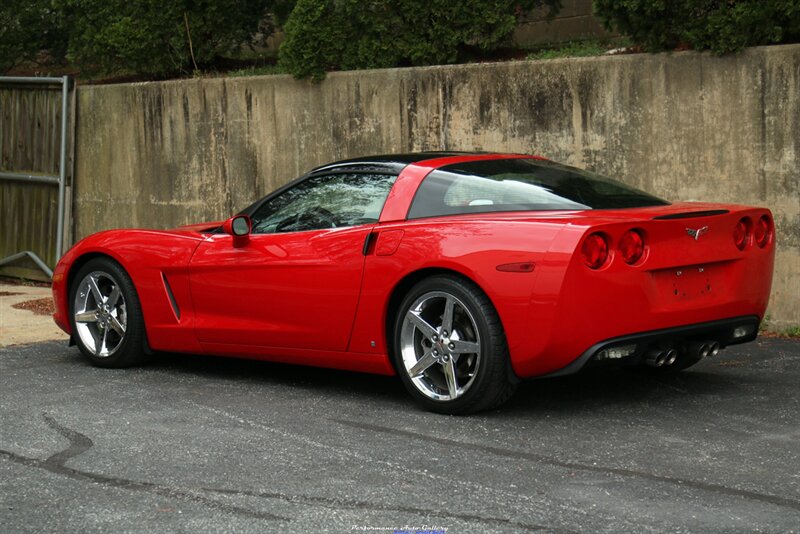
[[691, 283]]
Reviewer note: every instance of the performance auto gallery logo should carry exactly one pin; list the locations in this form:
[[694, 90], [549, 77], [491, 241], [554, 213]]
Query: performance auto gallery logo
[[696, 232], [425, 529]]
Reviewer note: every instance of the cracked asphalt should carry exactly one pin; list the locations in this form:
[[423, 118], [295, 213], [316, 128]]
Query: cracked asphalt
[[198, 444]]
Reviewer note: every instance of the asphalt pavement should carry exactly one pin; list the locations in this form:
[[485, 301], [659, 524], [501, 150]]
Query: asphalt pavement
[[198, 444]]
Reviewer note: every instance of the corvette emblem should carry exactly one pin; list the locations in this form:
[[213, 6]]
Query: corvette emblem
[[696, 232]]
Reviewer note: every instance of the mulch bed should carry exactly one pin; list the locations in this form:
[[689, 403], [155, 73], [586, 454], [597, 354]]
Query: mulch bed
[[43, 306], [779, 335]]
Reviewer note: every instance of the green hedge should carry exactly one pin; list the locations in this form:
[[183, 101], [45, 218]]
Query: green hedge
[[150, 36], [718, 25], [323, 35], [26, 28]]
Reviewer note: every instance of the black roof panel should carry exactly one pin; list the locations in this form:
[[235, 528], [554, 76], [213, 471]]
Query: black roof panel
[[393, 161]]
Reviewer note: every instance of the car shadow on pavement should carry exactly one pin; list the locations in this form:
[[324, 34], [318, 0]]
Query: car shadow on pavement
[[601, 388], [585, 391], [329, 381]]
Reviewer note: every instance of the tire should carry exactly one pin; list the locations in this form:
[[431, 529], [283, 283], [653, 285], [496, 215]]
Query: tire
[[460, 371], [106, 316]]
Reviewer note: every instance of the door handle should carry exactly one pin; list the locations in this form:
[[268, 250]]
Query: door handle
[[369, 243]]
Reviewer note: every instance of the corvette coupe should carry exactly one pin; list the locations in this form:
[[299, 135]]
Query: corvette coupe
[[462, 273]]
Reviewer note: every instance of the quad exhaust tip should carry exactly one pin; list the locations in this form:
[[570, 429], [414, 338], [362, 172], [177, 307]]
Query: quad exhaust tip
[[704, 349], [667, 356], [661, 357]]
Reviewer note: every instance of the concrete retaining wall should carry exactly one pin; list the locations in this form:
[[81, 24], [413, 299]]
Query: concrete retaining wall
[[685, 126]]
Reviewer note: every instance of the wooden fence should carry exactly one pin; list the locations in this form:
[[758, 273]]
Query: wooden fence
[[30, 142]]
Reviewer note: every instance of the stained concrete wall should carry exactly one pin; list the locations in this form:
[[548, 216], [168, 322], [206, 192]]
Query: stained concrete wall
[[685, 126]]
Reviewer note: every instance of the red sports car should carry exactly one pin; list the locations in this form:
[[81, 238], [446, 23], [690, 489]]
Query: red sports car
[[463, 273]]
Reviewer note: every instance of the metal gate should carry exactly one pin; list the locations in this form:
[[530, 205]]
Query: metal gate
[[36, 143]]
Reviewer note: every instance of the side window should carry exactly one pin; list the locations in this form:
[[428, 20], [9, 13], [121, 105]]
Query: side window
[[327, 201]]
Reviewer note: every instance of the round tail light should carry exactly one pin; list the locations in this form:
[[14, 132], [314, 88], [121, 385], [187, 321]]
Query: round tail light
[[595, 251], [631, 246], [741, 233], [763, 231]]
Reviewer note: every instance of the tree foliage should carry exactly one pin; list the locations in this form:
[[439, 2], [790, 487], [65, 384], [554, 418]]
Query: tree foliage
[[718, 25], [156, 37], [28, 27], [358, 34]]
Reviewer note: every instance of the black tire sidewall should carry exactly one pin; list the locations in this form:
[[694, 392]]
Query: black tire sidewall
[[493, 357], [131, 350]]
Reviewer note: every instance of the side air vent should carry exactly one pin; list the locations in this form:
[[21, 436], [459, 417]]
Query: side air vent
[[175, 309], [691, 214]]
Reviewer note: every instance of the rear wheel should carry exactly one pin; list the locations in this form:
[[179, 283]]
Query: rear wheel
[[106, 317], [450, 349]]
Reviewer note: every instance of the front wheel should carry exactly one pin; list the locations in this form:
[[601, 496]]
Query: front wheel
[[450, 349], [106, 317]]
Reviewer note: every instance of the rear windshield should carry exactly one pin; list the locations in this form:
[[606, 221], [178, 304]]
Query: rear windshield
[[520, 185]]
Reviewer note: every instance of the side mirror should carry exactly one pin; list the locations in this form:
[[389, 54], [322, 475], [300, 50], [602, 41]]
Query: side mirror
[[239, 227]]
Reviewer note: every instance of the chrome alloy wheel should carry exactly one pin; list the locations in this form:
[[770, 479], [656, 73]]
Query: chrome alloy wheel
[[440, 346], [100, 314]]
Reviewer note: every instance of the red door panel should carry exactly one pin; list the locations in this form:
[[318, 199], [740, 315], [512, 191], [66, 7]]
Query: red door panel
[[296, 289]]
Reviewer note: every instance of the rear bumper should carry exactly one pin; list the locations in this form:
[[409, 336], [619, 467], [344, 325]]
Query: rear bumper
[[725, 332], [680, 282]]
